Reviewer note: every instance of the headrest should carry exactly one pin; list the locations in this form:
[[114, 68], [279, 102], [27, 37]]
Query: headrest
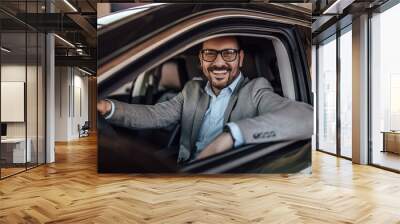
[[169, 76]]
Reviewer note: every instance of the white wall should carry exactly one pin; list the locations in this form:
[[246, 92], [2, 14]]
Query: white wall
[[16, 72], [71, 94], [33, 126], [61, 103]]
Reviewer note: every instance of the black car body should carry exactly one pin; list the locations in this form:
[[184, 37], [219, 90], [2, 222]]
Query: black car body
[[134, 51]]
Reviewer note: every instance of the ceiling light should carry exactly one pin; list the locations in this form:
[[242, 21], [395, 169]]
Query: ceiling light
[[79, 51], [65, 41], [5, 50], [70, 5]]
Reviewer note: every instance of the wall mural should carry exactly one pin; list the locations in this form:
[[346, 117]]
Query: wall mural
[[198, 88]]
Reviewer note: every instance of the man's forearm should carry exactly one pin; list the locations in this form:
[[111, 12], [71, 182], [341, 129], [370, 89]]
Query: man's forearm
[[138, 116], [222, 143]]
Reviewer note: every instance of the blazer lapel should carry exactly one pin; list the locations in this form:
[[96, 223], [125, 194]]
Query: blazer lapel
[[233, 99], [198, 117]]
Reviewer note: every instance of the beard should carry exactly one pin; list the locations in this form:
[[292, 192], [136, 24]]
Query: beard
[[220, 76]]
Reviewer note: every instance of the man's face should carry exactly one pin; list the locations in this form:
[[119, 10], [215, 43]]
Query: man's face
[[225, 68]]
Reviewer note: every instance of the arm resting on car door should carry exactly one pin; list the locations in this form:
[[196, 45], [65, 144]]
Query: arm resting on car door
[[279, 118]]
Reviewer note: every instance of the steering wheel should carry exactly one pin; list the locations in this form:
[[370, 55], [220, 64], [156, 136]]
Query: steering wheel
[[119, 152]]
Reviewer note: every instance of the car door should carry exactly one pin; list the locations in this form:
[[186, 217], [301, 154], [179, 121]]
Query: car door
[[182, 26]]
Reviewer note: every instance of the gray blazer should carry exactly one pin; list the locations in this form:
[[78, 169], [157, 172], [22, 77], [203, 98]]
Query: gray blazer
[[261, 114]]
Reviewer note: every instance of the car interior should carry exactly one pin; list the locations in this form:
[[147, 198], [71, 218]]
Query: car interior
[[164, 81]]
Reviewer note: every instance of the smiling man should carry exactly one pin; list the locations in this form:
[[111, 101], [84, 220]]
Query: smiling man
[[220, 60], [225, 111]]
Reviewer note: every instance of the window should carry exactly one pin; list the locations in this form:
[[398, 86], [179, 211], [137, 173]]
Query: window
[[327, 96], [346, 93], [334, 94], [385, 88]]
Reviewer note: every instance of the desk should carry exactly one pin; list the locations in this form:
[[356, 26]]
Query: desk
[[15, 148], [391, 141]]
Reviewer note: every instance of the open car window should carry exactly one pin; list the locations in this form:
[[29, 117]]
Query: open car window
[[267, 55], [260, 157]]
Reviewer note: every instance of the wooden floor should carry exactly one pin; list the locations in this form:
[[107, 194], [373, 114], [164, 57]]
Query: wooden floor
[[10, 171], [71, 191]]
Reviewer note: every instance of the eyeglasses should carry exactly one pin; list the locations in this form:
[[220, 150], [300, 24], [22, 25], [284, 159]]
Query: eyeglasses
[[209, 55]]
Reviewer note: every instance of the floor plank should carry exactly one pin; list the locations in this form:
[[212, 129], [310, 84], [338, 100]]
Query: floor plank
[[71, 191]]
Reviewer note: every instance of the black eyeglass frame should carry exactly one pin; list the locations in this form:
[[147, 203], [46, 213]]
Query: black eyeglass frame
[[236, 51]]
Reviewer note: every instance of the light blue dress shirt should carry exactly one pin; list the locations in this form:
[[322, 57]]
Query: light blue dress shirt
[[213, 121]]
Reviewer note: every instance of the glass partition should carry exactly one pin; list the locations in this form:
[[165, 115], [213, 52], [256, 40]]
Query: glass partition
[[31, 98], [13, 109], [32, 87], [23, 89]]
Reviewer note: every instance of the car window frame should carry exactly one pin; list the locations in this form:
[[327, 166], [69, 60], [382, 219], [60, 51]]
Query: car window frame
[[175, 14]]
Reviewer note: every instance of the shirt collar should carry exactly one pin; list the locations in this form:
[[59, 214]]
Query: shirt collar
[[231, 86]]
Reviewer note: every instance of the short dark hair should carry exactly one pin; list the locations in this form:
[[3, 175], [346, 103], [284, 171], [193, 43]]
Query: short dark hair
[[238, 41]]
